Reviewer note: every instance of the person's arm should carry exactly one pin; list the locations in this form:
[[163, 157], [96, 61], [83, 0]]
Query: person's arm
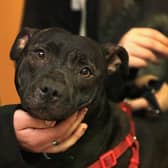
[[10, 155]]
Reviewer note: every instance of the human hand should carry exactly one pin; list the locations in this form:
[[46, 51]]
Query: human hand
[[37, 135], [144, 45], [161, 95]]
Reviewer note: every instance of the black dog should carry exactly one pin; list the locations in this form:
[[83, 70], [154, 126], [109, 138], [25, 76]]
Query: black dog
[[58, 73]]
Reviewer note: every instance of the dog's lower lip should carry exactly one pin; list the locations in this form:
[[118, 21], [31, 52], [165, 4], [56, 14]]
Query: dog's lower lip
[[50, 123]]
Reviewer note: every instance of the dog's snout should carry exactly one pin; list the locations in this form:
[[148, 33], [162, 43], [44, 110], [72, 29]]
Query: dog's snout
[[49, 92]]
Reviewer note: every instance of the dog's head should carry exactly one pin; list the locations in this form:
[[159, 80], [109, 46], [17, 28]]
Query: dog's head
[[58, 73]]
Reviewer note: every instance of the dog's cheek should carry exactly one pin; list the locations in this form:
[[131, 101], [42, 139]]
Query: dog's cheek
[[22, 79], [88, 90], [86, 83]]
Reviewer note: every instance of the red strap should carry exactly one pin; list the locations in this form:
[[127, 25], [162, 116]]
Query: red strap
[[134, 161], [127, 109], [109, 159]]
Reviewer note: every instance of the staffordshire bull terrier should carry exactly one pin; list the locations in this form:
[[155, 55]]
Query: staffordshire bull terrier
[[58, 73]]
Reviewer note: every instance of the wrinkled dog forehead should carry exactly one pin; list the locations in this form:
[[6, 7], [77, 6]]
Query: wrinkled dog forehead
[[64, 46], [57, 43], [66, 41]]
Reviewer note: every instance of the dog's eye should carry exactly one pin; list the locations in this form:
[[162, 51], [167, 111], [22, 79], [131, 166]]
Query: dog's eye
[[85, 72], [40, 52]]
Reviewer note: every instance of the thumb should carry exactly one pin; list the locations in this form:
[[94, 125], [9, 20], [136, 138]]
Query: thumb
[[138, 103]]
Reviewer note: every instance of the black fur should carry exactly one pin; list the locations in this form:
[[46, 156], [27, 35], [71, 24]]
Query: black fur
[[58, 73]]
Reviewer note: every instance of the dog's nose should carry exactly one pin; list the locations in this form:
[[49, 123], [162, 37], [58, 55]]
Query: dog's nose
[[49, 91]]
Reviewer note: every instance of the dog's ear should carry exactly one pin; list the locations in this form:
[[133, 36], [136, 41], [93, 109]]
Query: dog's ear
[[21, 41], [117, 59], [118, 71]]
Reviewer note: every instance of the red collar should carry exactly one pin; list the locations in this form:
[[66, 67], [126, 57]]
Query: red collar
[[109, 159]]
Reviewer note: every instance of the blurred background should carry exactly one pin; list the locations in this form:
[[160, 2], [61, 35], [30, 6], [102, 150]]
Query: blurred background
[[10, 17]]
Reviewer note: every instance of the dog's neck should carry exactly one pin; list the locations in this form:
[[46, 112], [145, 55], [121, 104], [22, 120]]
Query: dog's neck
[[106, 114], [107, 127]]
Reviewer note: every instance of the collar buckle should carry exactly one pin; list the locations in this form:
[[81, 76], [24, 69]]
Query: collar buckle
[[108, 160]]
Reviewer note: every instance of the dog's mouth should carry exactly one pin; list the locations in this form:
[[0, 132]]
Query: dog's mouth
[[53, 112], [48, 113], [45, 109], [50, 123]]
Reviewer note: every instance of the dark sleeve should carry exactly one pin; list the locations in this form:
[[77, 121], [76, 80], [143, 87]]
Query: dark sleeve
[[49, 13], [10, 155]]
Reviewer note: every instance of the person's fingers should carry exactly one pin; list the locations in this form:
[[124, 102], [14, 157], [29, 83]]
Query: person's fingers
[[162, 97], [139, 55], [148, 38], [138, 51], [153, 33], [39, 146], [63, 146], [81, 115], [145, 43], [38, 139], [153, 45], [57, 132], [63, 127], [138, 103], [137, 62], [22, 120], [144, 79]]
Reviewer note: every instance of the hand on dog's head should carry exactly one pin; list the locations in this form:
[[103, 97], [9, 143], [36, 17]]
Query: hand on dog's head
[[58, 73]]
